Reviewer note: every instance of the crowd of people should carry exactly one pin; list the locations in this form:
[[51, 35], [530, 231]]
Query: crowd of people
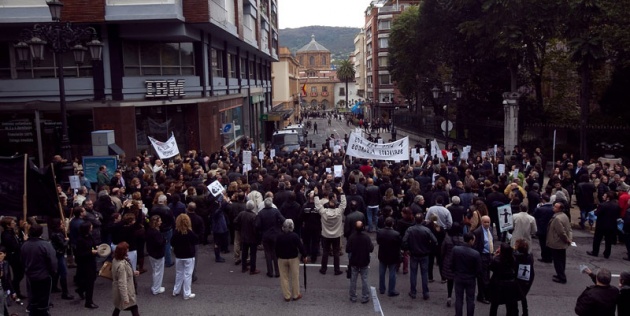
[[292, 207]]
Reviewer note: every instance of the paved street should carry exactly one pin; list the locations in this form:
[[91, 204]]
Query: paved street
[[223, 290]]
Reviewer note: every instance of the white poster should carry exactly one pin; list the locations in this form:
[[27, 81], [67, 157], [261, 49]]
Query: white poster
[[524, 272], [449, 155], [328, 170], [505, 217], [247, 168], [360, 147], [423, 152], [515, 174], [463, 156], [483, 154], [338, 171], [215, 188], [247, 157], [501, 168], [167, 149], [336, 149], [261, 155], [75, 182], [272, 153], [331, 143]]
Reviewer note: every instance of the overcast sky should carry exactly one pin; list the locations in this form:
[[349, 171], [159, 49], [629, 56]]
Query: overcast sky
[[298, 13]]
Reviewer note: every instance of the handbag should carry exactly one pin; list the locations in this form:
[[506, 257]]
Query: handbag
[[106, 270]]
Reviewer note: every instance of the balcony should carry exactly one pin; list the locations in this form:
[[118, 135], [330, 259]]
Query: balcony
[[388, 9], [324, 93], [16, 11], [313, 94], [133, 10]]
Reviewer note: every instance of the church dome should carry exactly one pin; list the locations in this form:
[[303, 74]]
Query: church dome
[[313, 46]]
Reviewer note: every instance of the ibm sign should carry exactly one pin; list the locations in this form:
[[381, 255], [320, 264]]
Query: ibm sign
[[164, 88]]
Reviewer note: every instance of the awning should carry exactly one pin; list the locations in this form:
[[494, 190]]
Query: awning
[[279, 115]]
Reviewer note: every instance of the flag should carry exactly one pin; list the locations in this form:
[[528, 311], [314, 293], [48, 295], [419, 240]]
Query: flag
[[166, 149], [304, 89], [41, 191]]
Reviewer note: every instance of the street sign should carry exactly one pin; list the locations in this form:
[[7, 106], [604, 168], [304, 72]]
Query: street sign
[[226, 128]]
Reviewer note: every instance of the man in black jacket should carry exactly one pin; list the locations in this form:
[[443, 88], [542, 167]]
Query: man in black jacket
[[359, 246], [585, 195], [599, 299], [607, 214], [466, 265], [420, 241], [389, 242], [543, 214], [245, 224], [312, 231], [268, 223], [373, 201], [40, 262]]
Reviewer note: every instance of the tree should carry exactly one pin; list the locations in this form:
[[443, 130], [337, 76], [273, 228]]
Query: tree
[[345, 73]]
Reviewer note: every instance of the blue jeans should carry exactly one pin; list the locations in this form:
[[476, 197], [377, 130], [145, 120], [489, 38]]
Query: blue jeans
[[467, 287], [424, 270], [381, 277], [365, 291], [372, 215], [168, 259]]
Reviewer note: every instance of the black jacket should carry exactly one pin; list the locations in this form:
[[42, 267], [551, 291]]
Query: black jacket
[[543, 215], [466, 263], [198, 227], [350, 223], [389, 244], [245, 223], [607, 214], [184, 244], [311, 219], [419, 240], [360, 246], [165, 213], [372, 196], [39, 259], [597, 301], [288, 246], [268, 223], [155, 243], [457, 213]]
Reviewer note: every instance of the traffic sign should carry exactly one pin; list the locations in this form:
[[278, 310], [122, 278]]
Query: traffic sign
[[226, 128]]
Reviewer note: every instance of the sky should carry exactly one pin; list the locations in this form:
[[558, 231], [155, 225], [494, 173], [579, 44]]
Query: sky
[[298, 13]]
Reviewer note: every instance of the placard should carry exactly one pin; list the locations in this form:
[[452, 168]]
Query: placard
[[247, 168], [331, 143], [216, 188], [247, 157], [501, 168], [336, 149], [75, 182], [261, 155], [272, 153], [515, 173], [423, 152], [463, 156], [483, 154], [338, 171], [449, 155], [91, 165], [328, 170], [165, 149], [505, 217]]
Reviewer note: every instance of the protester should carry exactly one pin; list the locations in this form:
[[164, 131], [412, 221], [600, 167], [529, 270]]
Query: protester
[[598, 299], [466, 267], [123, 288], [359, 246], [155, 249], [184, 241], [38, 257], [559, 238], [288, 247], [420, 242], [389, 256]]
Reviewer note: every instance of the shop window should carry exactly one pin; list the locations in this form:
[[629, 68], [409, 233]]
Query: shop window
[[10, 68]]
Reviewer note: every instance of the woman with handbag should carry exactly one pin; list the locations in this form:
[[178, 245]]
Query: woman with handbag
[[503, 286], [86, 264], [123, 289]]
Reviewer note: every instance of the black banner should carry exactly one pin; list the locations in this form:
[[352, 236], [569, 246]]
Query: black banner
[[41, 191]]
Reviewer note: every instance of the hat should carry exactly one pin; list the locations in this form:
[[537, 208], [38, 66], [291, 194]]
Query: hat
[[104, 250]]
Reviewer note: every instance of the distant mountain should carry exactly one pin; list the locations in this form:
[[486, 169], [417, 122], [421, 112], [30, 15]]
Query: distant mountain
[[339, 40]]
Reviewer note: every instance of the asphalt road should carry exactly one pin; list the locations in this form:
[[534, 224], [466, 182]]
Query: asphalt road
[[223, 290]]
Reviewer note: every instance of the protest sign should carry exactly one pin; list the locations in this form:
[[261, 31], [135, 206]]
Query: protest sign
[[505, 217], [272, 153], [362, 148], [501, 168], [338, 171], [166, 149], [247, 157], [215, 188]]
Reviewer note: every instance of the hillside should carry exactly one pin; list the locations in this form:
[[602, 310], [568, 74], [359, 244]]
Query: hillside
[[339, 40]]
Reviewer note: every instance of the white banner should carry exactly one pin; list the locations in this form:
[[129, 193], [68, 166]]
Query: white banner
[[167, 149], [362, 148]]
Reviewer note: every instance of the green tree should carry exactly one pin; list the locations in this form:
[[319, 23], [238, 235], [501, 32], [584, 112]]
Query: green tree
[[345, 73]]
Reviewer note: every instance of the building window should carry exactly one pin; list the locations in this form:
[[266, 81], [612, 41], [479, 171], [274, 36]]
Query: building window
[[383, 42], [232, 65], [10, 68], [323, 60], [384, 24], [314, 89], [311, 60], [342, 91], [385, 97], [243, 68], [368, 80], [383, 61], [216, 60], [368, 65], [252, 68], [302, 60], [385, 79], [158, 59]]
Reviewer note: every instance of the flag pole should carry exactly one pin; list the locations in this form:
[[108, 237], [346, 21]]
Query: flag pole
[[25, 195]]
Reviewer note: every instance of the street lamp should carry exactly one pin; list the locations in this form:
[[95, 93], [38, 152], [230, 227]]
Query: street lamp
[[449, 94], [60, 38]]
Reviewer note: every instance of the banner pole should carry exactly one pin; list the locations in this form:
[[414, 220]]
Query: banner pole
[[63, 217], [25, 195]]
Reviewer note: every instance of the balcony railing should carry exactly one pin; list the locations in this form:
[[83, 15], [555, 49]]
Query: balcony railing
[[313, 94], [324, 93]]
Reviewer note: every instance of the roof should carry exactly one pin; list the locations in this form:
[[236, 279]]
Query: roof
[[313, 46]]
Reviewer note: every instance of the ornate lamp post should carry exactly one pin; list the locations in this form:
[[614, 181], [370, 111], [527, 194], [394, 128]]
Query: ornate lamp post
[[60, 38], [449, 94]]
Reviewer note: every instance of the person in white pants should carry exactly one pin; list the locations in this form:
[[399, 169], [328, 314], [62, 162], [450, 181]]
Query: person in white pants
[[183, 243], [155, 249]]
